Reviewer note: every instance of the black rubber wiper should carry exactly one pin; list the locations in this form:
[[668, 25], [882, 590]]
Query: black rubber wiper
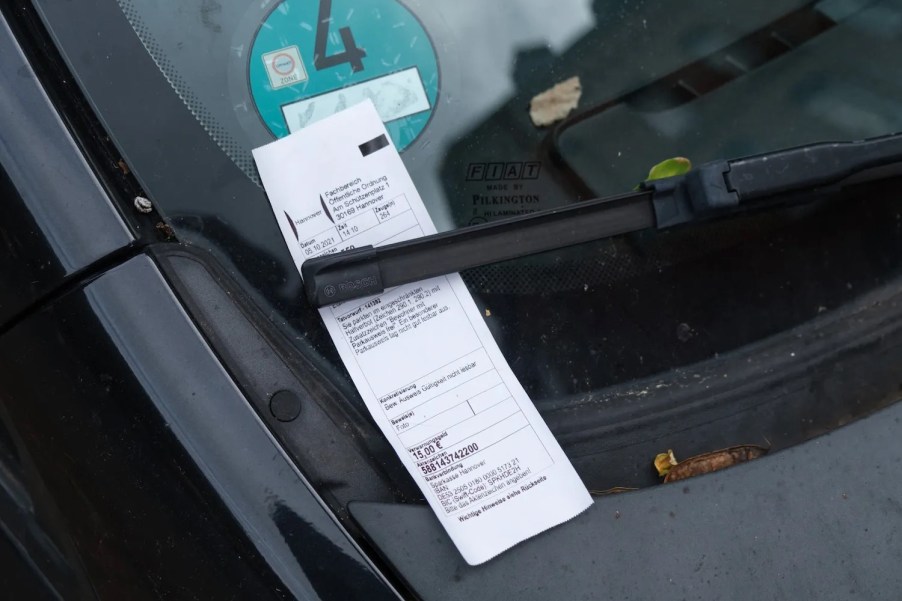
[[715, 189]]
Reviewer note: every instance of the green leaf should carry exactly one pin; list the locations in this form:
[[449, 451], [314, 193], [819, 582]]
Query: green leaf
[[670, 168]]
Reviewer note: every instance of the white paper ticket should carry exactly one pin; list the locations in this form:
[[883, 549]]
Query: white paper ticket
[[420, 354]]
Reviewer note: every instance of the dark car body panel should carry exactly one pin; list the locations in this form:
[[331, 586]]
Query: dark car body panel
[[159, 477], [56, 218], [131, 464]]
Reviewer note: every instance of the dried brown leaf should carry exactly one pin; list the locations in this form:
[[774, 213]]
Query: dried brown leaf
[[713, 461]]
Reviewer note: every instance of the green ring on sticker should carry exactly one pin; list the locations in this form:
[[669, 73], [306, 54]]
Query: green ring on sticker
[[313, 58]]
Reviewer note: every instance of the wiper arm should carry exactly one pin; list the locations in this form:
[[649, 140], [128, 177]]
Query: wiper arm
[[712, 190]]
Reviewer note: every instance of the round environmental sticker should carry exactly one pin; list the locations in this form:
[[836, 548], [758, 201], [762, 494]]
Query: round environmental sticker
[[312, 58]]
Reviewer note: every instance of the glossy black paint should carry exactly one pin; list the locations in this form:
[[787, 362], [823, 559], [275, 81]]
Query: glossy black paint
[[18, 576], [55, 218], [147, 467], [131, 466], [109, 483]]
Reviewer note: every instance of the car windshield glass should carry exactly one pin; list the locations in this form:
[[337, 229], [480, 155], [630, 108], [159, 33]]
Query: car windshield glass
[[603, 324]]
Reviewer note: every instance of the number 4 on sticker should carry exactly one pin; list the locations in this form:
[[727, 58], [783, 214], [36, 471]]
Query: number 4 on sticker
[[352, 54]]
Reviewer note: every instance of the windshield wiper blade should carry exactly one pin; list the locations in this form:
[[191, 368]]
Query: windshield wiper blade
[[712, 190]]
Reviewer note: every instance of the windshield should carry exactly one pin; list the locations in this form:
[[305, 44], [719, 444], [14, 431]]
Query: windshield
[[592, 331]]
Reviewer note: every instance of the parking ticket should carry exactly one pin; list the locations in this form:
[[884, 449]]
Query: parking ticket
[[420, 355]]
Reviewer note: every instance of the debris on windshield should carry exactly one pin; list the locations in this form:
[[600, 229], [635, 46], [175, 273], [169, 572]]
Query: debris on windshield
[[669, 168], [673, 470], [555, 103], [664, 462], [143, 205], [611, 491], [165, 230]]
